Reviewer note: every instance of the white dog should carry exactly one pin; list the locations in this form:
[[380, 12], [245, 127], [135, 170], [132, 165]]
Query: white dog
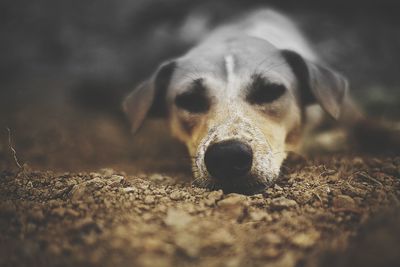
[[238, 99]]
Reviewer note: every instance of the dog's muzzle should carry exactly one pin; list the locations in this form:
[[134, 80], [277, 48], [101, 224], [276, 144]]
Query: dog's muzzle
[[235, 156]]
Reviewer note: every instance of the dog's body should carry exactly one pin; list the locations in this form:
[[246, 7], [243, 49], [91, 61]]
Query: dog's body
[[239, 99]]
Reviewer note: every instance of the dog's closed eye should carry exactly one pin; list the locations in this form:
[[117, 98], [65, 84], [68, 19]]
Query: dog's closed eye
[[262, 91], [194, 100]]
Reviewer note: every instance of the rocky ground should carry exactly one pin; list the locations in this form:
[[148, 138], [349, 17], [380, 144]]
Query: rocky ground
[[88, 193], [332, 210]]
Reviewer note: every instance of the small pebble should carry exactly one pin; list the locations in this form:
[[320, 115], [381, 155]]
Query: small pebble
[[344, 202], [149, 200], [282, 203]]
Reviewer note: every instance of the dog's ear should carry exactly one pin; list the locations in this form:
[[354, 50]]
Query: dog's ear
[[318, 83], [149, 98]]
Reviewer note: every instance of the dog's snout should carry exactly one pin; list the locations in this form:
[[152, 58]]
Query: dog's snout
[[229, 159]]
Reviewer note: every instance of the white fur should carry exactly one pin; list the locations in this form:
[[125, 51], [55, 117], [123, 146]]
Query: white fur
[[230, 68], [280, 31]]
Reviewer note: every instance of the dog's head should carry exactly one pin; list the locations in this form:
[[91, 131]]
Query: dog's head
[[239, 108]]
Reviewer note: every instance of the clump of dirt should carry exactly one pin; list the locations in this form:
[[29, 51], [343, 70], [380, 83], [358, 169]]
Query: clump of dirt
[[110, 218]]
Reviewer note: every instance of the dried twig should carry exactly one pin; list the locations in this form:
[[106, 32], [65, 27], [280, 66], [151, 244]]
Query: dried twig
[[14, 153], [366, 176], [318, 196]]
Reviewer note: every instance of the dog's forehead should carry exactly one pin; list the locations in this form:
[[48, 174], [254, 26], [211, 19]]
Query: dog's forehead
[[231, 63]]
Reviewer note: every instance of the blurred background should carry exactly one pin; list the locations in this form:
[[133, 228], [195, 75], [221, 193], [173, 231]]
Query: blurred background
[[66, 65]]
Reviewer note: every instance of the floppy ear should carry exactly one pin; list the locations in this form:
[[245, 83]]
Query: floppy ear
[[318, 83], [149, 98]]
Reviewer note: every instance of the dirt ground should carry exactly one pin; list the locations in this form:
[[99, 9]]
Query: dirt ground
[[87, 193], [90, 194], [330, 210]]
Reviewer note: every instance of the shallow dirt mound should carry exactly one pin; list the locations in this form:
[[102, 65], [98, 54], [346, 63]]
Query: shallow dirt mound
[[108, 218]]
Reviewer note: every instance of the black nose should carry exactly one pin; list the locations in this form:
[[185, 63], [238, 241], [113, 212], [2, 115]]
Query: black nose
[[228, 159]]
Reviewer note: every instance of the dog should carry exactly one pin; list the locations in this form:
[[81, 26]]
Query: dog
[[241, 99]]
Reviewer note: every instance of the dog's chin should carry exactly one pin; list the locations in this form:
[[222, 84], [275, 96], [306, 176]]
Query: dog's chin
[[243, 187]]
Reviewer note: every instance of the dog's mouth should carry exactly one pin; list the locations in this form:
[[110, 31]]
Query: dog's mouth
[[243, 187]]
